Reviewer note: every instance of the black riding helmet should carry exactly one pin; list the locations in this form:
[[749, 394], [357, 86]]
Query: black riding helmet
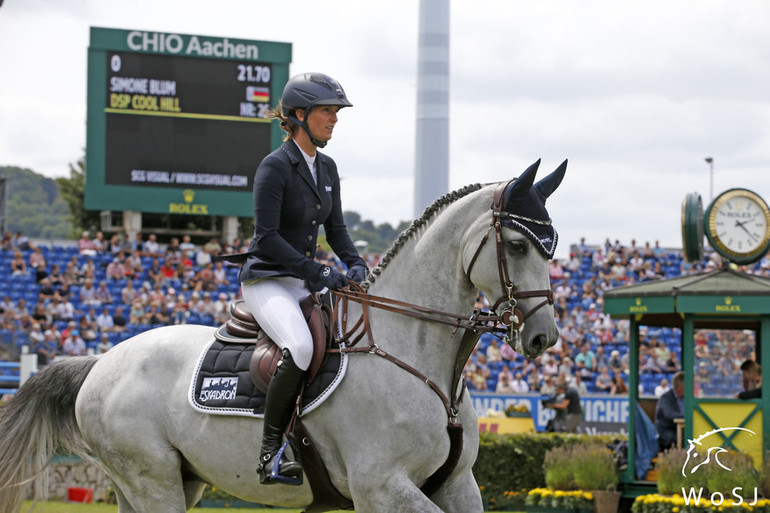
[[308, 90]]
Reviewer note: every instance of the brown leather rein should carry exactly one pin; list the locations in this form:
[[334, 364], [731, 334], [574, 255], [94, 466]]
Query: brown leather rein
[[509, 320]]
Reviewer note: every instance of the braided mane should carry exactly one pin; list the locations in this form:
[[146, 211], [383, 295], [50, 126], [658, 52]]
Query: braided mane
[[416, 225]]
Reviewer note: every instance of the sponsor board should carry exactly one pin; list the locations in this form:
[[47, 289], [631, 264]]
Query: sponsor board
[[601, 413]]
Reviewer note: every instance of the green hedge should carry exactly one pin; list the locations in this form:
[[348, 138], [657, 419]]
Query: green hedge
[[509, 465]]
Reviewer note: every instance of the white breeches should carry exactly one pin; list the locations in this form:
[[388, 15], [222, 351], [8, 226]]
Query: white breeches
[[274, 303]]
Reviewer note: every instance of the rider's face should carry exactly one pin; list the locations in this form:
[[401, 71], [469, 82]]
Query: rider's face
[[321, 121]]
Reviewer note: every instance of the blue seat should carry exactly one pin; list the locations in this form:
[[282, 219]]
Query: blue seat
[[6, 336], [22, 339]]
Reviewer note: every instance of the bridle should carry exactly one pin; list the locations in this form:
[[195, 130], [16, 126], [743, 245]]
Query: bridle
[[511, 319]]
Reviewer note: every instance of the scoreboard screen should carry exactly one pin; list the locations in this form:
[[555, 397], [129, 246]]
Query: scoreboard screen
[[178, 123]]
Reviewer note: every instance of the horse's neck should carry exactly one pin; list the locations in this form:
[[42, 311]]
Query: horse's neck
[[427, 272]]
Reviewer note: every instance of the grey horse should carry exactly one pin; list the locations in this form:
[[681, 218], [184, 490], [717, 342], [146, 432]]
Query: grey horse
[[381, 434]]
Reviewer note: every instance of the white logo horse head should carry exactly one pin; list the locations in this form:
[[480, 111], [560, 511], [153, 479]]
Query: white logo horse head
[[694, 445]]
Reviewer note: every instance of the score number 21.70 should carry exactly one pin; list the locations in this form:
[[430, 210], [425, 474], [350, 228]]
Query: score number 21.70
[[248, 73]]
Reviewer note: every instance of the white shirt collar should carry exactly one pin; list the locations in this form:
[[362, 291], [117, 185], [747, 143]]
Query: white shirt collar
[[310, 162]]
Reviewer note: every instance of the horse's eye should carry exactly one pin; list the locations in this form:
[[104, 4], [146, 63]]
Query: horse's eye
[[518, 246]]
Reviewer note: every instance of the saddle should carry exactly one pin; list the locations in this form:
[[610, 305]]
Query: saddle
[[242, 327]]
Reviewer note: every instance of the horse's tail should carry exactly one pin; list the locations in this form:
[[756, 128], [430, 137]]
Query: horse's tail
[[38, 422]]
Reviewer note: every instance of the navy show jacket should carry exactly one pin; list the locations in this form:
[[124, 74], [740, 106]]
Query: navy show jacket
[[288, 209]]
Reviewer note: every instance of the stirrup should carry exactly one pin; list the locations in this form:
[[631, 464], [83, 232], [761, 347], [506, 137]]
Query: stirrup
[[274, 477]]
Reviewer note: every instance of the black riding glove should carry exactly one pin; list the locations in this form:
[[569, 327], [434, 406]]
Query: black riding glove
[[357, 273], [327, 277]]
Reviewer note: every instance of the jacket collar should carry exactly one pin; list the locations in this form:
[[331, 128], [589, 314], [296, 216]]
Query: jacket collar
[[298, 161]]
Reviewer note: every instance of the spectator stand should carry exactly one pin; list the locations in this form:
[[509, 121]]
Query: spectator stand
[[9, 377], [15, 374], [64, 262], [704, 307]]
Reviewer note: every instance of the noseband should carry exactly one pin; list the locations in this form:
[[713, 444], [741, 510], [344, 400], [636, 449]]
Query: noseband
[[511, 316]]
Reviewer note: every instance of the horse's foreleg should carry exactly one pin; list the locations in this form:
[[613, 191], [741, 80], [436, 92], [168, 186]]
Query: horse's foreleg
[[460, 494], [396, 495]]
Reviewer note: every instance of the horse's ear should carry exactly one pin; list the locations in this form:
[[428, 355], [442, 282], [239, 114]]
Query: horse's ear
[[547, 185], [519, 190]]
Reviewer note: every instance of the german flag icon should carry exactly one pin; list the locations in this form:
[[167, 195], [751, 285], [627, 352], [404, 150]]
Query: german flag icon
[[257, 94]]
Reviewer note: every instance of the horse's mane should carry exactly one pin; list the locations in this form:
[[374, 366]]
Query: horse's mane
[[416, 225]]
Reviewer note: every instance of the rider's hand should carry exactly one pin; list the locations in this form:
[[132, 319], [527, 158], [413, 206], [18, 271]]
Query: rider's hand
[[357, 273], [327, 277]]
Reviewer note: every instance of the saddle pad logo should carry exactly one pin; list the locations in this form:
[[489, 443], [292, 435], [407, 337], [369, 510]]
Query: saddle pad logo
[[218, 389]]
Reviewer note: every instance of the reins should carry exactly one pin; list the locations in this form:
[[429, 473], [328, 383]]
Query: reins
[[473, 327], [511, 319], [477, 323]]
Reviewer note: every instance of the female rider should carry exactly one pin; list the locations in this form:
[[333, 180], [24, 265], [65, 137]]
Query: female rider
[[296, 190]]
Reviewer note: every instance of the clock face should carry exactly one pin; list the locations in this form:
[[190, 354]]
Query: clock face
[[739, 225]]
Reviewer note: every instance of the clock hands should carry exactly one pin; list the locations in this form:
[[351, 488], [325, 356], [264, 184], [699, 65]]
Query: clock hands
[[741, 225]]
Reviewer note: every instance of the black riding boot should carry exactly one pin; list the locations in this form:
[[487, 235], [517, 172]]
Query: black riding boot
[[279, 405]]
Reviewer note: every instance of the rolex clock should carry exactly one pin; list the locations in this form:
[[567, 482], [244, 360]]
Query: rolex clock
[[737, 225], [692, 227]]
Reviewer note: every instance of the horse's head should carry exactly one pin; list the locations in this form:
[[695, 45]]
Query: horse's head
[[510, 263]]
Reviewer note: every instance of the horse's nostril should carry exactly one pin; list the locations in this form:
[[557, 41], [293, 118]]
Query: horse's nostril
[[539, 344]]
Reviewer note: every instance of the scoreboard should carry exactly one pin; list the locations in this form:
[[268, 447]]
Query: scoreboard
[[178, 123]]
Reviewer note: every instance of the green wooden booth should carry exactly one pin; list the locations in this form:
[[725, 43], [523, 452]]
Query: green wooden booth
[[723, 299]]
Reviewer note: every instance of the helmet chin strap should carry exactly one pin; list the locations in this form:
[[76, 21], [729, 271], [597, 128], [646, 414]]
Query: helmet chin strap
[[303, 124], [313, 140]]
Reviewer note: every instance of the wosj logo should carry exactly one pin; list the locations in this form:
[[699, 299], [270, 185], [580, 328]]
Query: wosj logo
[[703, 454], [218, 389]]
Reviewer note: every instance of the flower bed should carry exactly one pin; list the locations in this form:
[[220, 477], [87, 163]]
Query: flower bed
[[543, 500], [509, 465], [654, 503]]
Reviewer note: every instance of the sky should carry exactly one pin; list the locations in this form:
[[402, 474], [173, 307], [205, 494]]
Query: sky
[[636, 94]]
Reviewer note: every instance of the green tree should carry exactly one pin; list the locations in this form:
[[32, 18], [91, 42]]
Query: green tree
[[352, 219], [34, 207], [72, 191]]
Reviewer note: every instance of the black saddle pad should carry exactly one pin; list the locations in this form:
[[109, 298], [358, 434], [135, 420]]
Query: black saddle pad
[[221, 384]]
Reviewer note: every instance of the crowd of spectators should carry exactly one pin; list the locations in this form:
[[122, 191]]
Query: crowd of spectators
[[69, 300], [591, 353], [88, 296]]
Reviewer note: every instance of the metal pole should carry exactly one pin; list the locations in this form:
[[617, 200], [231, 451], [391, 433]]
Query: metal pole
[[432, 129]]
